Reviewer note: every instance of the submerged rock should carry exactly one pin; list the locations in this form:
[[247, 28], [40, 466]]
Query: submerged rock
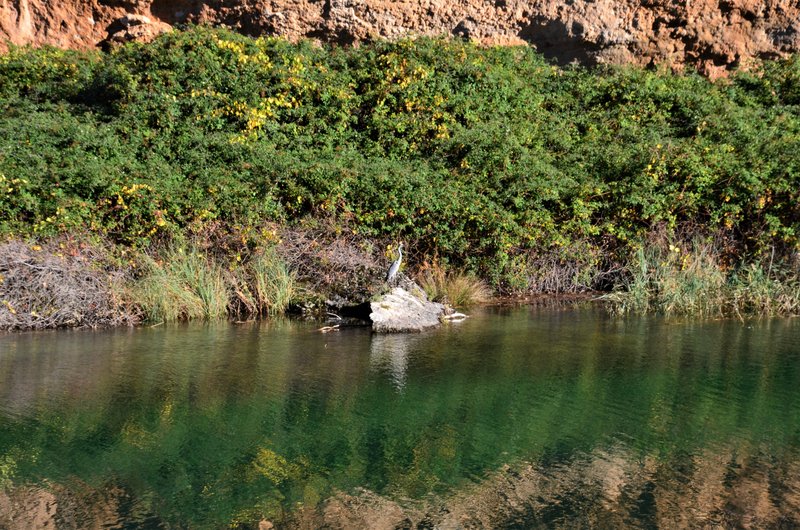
[[405, 309]]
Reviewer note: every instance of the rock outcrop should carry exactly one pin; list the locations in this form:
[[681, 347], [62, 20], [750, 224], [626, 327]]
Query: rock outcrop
[[713, 36], [404, 310], [134, 28]]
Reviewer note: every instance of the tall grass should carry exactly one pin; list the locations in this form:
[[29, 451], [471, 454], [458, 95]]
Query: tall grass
[[263, 286], [457, 289], [755, 290], [183, 285], [672, 280], [187, 285]]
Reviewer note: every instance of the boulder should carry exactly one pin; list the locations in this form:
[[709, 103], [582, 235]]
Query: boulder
[[137, 28], [403, 310]]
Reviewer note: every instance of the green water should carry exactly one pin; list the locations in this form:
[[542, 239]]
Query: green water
[[612, 421]]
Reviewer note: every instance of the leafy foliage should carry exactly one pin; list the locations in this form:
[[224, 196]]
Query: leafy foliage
[[480, 156]]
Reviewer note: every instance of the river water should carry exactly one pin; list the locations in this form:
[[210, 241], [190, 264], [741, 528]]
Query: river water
[[515, 418]]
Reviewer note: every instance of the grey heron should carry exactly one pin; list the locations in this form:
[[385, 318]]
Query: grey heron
[[393, 270]]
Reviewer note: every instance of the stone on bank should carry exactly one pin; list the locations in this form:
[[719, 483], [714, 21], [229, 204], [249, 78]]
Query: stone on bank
[[402, 311]]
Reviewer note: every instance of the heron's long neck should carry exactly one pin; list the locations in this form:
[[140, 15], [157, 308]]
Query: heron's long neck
[[399, 253]]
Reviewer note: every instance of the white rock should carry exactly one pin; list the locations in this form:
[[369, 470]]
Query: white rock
[[401, 311]]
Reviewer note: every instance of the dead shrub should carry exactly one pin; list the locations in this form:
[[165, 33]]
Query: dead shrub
[[59, 285], [333, 264]]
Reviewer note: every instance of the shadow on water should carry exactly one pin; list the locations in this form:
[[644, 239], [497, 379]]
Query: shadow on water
[[518, 417]]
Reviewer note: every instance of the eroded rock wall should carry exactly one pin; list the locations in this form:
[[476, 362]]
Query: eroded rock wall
[[711, 35]]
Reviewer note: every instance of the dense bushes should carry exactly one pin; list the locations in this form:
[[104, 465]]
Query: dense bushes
[[487, 158]]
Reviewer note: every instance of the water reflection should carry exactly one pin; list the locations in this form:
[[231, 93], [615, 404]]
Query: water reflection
[[514, 418], [388, 354]]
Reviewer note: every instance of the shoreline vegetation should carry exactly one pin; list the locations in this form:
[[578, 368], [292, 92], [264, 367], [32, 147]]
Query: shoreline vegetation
[[208, 174]]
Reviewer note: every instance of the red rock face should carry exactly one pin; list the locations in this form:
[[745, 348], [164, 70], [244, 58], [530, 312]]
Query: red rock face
[[713, 36]]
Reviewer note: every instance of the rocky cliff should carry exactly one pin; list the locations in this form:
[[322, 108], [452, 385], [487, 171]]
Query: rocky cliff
[[711, 35]]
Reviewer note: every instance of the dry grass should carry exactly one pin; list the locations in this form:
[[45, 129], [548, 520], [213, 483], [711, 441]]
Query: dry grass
[[578, 268], [456, 289], [333, 264]]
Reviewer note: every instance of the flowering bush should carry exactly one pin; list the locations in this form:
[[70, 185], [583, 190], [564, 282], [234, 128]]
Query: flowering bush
[[483, 157]]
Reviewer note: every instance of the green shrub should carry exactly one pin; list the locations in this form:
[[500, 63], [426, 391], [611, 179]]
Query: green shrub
[[487, 158]]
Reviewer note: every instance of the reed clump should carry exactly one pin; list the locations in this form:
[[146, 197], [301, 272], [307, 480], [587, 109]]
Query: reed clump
[[190, 284], [757, 291], [264, 286], [454, 288], [183, 285], [693, 280]]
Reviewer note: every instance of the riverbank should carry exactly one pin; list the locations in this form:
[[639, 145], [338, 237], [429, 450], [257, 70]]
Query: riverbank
[[66, 283], [658, 187], [69, 283]]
